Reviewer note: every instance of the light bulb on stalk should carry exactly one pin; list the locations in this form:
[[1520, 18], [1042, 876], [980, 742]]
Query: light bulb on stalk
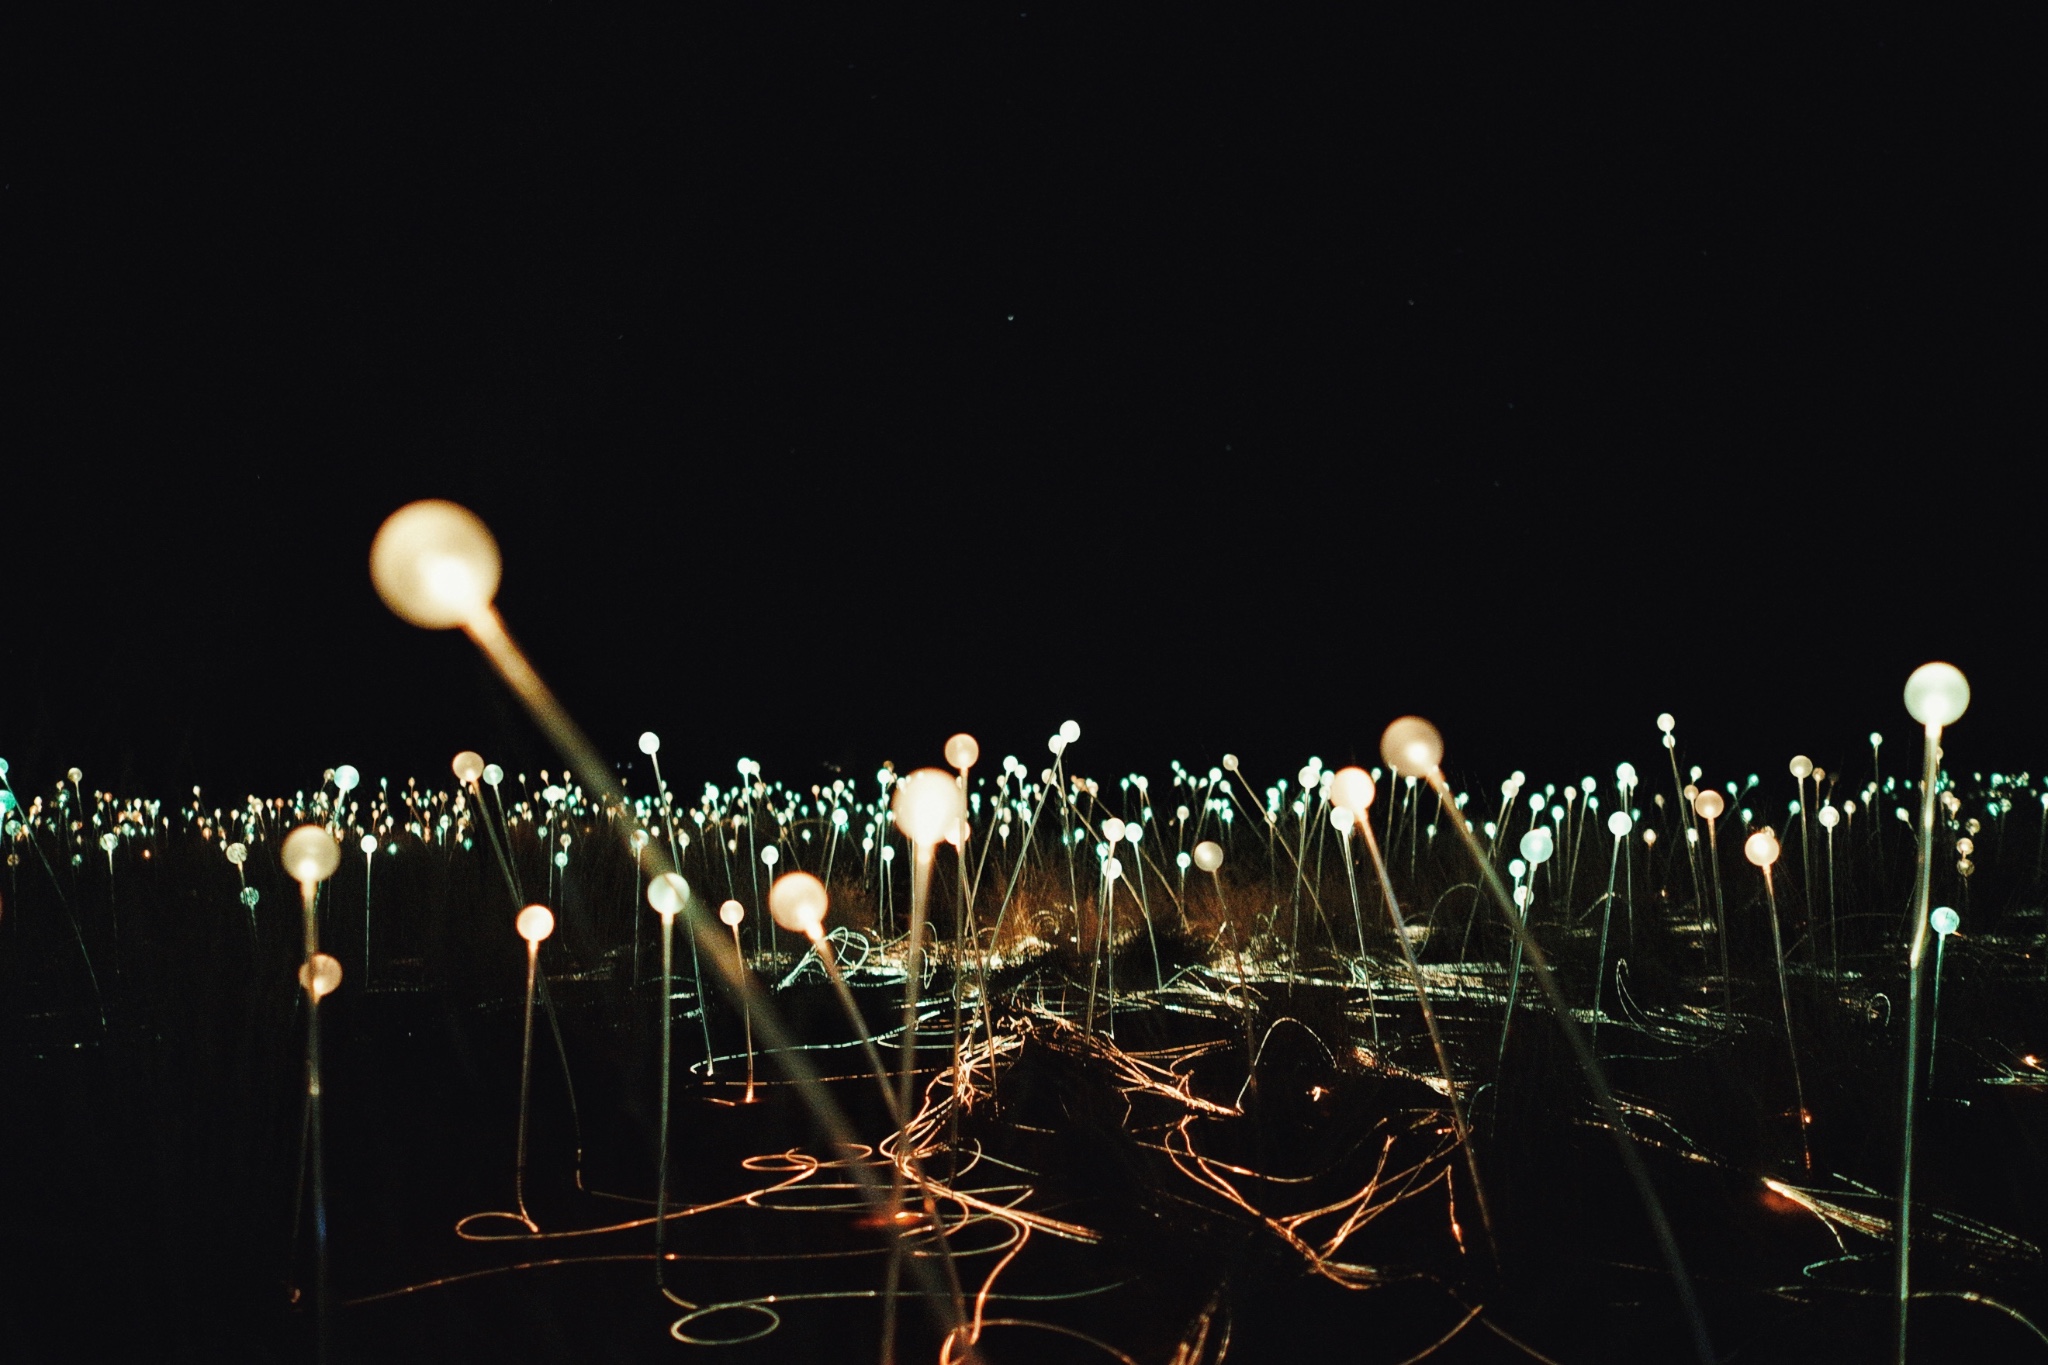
[[1412, 747], [962, 751], [468, 766], [1937, 694], [319, 976], [1761, 848], [798, 902], [1352, 788], [310, 855], [926, 806], [1208, 855], [435, 564], [535, 923]]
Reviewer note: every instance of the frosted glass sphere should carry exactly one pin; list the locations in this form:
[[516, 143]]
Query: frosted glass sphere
[[731, 913], [1230, 763], [1070, 730], [1353, 789], [770, 856], [798, 902], [110, 841], [1537, 845], [1208, 855], [1618, 824], [1937, 694], [1113, 830], [650, 743], [468, 766], [1666, 722], [962, 751], [1708, 805], [1801, 767], [1875, 739], [1829, 817], [668, 893], [1343, 818], [1112, 869], [238, 853], [1056, 746], [927, 807], [346, 778], [1412, 747], [1625, 775], [322, 978], [1944, 920], [493, 774], [1650, 837], [310, 854], [1761, 848], [535, 923], [435, 564]]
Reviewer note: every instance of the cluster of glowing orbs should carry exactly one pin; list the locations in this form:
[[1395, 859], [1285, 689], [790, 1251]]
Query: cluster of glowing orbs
[[927, 807], [535, 923], [962, 751], [310, 854], [1943, 920], [1937, 694], [468, 766], [798, 903], [1538, 845], [319, 975], [1708, 804], [1352, 788], [1412, 747], [435, 564], [1208, 855], [668, 893], [1761, 848], [731, 913]]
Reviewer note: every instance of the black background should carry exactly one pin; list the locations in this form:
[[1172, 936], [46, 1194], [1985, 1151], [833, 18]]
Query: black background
[[835, 381]]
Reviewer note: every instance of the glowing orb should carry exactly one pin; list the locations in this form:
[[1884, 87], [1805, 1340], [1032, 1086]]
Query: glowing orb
[[1113, 830], [1342, 818], [468, 766], [324, 976], [770, 856], [1801, 767], [1944, 920], [668, 893], [1537, 845], [927, 807], [535, 923], [238, 853], [798, 900], [650, 743], [493, 774], [1208, 855], [1937, 694], [1618, 824], [1829, 817], [1666, 722], [962, 751], [435, 564], [731, 913], [1761, 848], [1412, 747], [1708, 805], [1070, 730], [1353, 789], [310, 854]]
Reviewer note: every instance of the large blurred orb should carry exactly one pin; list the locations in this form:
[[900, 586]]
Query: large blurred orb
[[323, 978], [926, 806], [1412, 747], [1761, 848], [1208, 855], [668, 893], [1937, 694], [435, 564], [1352, 788], [310, 854], [535, 923], [468, 766], [1538, 845], [798, 901]]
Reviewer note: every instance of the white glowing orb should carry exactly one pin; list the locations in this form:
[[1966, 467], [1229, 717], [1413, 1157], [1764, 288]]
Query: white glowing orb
[[962, 751], [1618, 824], [1800, 767], [324, 977], [731, 913], [535, 923], [1937, 694], [650, 743], [1666, 723], [310, 854], [1342, 818], [1829, 817], [435, 564], [798, 902], [1761, 848], [368, 844], [1353, 789], [347, 779], [238, 853], [770, 856], [1708, 805], [927, 806], [1208, 855], [1412, 747], [1113, 830], [1538, 845], [468, 766], [1070, 730], [1943, 920], [668, 893]]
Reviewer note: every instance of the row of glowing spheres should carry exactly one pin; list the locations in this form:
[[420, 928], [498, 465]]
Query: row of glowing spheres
[[437, 565]]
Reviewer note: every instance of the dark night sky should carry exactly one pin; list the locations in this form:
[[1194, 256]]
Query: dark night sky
[[834, 382]]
